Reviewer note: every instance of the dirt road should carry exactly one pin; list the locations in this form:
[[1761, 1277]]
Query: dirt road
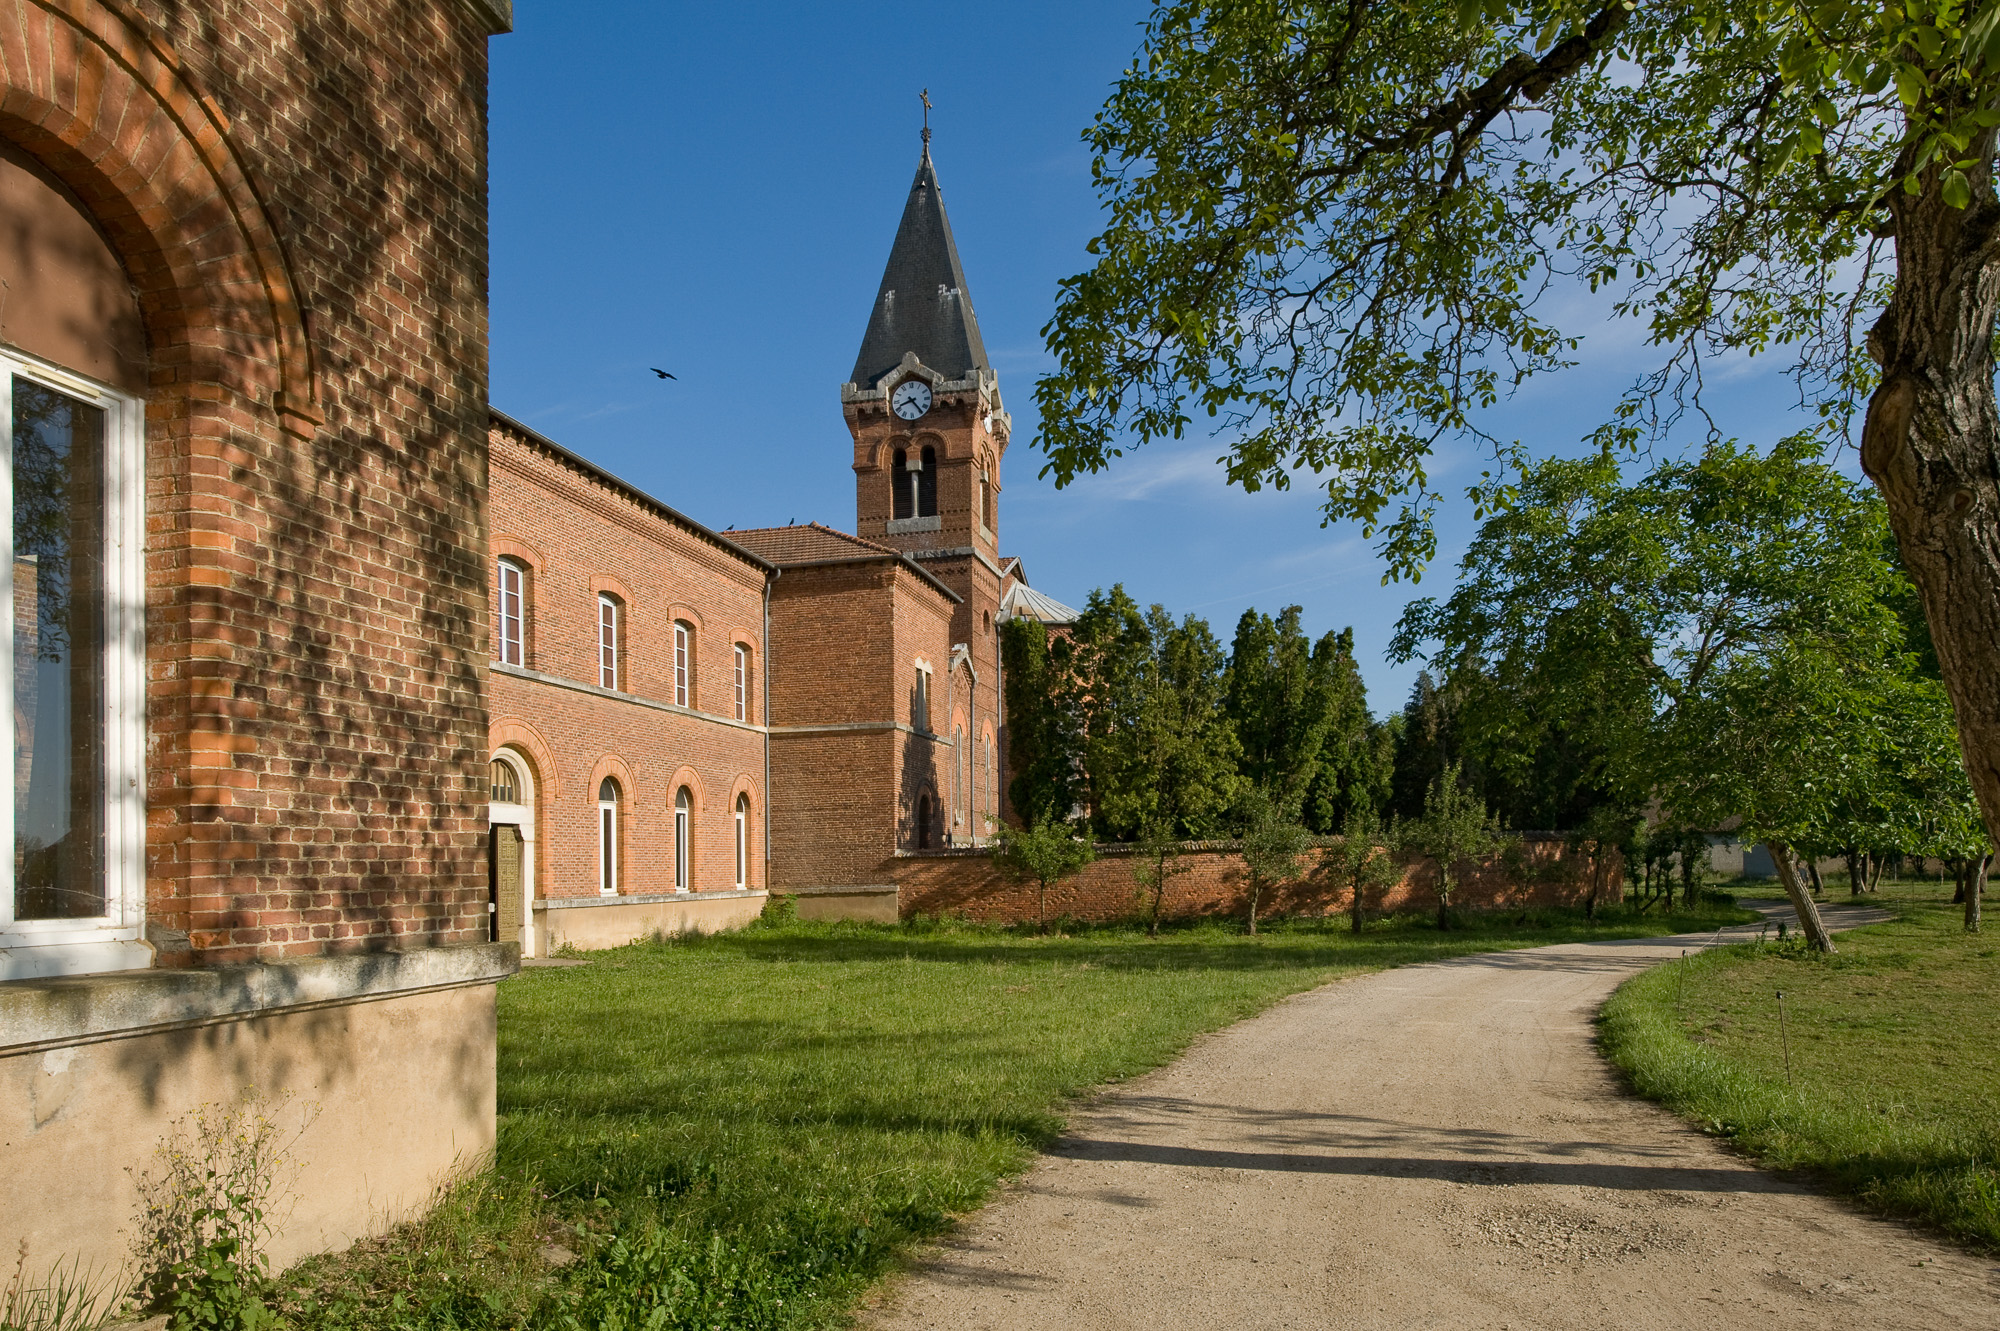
[[1438, 1146]]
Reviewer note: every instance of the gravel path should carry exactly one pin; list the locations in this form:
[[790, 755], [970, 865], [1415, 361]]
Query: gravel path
[[1437, 1146]]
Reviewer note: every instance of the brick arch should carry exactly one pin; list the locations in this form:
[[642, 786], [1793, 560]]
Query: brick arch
[[614, 766], [687, 776], [600, 583], [511, 732], [513, 547], [95, 95]]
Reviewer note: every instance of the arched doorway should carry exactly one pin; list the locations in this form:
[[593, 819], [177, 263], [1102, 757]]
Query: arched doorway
[[511, 850]]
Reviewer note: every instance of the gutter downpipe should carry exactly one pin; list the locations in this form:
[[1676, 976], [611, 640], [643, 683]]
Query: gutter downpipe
[[775, 574]]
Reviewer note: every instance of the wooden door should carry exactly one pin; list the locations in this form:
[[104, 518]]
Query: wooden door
[[504, 884]]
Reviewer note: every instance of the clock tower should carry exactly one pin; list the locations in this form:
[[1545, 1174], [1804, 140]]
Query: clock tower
[[923, 407]]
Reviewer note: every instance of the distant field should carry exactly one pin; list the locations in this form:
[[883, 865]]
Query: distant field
[[746, 1129], [1894, 1094]]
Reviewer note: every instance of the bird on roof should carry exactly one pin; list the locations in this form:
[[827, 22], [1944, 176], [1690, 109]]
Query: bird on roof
[[662, 373]]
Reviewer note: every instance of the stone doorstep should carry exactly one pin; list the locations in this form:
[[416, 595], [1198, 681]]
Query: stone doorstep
[[78, 1009], [639, 899]]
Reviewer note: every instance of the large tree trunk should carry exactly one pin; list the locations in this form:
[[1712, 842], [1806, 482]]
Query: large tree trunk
[[1808, 910], [1932, 444], [1856, 873], [1975, 888]]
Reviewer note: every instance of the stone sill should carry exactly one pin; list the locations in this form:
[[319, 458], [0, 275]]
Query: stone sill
[[864, 890], [639, 899], [86, 1008], [903, 526]]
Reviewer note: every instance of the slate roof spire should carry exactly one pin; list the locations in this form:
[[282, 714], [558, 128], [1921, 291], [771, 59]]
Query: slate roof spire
[[923, 305]]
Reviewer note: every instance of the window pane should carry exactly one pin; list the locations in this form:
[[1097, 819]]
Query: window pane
[[58, 467], [510, 614]]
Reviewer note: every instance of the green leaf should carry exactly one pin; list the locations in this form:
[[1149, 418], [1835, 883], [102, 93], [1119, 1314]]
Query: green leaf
[[1957, 190]]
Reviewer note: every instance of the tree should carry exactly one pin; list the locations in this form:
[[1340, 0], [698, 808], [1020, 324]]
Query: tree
[[1272, 846], [1608, 832], [1454, 827], [1156, 864], [1046, 852], [1361, 861], [1336, 228], [1042, 743], [1157, 746]]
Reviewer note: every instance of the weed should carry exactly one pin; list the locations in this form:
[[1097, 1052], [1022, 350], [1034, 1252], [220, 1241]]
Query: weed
[[204, 1216], [69, 1298]]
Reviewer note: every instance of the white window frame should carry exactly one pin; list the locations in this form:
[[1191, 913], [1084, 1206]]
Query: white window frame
[[742, 682], [114, 940], [682, 691], [607, 839], [683, 803], [608, 615], [513, 645], [742, 842]]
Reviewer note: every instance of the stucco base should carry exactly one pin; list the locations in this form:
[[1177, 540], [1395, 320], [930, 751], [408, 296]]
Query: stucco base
[[876, 905], [589, 923], [403, 1086]]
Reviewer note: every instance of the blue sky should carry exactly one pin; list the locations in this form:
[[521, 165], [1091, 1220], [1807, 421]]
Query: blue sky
[[713, 189]]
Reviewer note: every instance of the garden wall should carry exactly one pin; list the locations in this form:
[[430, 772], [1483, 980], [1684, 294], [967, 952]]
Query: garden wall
[[1545, 872]]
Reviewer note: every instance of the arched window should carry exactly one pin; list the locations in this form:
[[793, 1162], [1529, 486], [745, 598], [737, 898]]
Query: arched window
[[903, 500], [742, 842], [985, 514], [607, 836], [682, 804], [923, 822], [741, 683], [961, 776], [683, 663], [511, 584], [506, 782], [927, 485], [608, 627], [992, 779]]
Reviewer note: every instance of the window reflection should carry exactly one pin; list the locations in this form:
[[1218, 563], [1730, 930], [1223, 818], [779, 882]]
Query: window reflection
[[57, 450]]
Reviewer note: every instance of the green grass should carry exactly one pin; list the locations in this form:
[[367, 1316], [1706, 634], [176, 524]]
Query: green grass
[[1894, 1090], [747, 1129]]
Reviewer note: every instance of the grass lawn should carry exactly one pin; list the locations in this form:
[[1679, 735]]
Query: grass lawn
[[747, 1129], [1894, 1091]]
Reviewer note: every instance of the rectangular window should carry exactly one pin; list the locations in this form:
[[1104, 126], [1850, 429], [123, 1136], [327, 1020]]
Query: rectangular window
[[74, 658], [742, 684], [922, 712], [607, 642], [511, 605], [680, 664]]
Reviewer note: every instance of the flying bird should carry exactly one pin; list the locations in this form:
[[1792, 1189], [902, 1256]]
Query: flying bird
[[662, 373]]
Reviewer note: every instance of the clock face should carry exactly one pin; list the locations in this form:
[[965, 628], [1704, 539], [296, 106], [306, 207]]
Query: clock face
[[911, 399]]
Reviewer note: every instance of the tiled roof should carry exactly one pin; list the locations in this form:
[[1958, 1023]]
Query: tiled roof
[[807, 544], [500, 420], [816, 543]]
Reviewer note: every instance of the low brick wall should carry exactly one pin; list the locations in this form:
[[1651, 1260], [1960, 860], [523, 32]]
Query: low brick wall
[[969, 883]]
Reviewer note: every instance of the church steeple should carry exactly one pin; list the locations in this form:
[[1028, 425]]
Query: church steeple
[[923, 305]]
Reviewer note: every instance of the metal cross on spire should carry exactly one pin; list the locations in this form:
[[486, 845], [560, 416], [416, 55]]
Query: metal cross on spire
[[925, 97]]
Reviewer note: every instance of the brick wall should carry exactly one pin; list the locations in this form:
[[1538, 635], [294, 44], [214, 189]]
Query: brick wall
[[844, 642], [298, 193], [578, 535], [969, 883]]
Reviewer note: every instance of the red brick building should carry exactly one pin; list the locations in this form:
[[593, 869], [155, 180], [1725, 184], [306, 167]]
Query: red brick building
[[883, 737], [628, 741], [243, 369]]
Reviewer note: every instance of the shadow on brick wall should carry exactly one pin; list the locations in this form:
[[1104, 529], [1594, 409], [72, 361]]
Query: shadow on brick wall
[[1542, 871]]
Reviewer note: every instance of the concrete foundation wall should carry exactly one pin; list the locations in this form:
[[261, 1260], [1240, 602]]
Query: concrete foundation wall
[[875, 905], [403, 1086], [616, 921]]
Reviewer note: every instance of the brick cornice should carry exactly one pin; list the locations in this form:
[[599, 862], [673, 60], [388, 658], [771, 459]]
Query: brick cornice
[[496, 15]]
